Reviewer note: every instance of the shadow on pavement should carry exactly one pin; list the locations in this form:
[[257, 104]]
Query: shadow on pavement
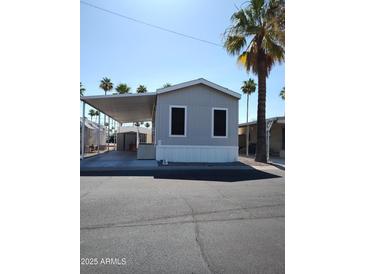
[[222, 175]]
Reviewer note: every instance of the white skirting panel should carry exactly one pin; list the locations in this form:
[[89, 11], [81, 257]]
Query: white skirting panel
[[193, 154]]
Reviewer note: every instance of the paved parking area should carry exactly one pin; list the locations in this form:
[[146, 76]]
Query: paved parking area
[[182, 226], [116, 160]]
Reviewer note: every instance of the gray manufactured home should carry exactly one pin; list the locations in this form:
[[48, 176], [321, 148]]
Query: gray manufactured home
[[195, 121]]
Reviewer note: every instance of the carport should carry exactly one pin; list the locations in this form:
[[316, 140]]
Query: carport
[[123, 108]]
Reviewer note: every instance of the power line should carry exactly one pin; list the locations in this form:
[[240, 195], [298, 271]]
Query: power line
[[150, 25]]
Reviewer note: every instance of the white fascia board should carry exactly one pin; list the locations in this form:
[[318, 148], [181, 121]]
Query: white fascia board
[[83, 98], [196, 82]]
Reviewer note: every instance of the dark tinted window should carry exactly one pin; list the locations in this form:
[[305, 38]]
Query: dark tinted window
[[177, 121], [220, 122], [283, 138]]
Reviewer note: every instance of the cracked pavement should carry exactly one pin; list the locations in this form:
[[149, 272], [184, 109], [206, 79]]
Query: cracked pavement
[[183, 226]]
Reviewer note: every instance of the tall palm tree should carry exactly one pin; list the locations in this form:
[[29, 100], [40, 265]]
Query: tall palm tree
[[282, 93], [106, 85], [257, 36], [82, 89], [91, 114], [248, 87], [122, 88], [141, 89]]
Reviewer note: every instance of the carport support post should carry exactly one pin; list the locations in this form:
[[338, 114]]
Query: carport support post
[[115, 136], [99, 134], [268, 129], [83, 132], [108, 130]]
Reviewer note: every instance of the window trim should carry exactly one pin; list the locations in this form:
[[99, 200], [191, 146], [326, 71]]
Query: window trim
[[218, 108], [170, 120]]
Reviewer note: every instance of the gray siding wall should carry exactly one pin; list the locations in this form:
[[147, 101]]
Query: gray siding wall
[[199, 100]]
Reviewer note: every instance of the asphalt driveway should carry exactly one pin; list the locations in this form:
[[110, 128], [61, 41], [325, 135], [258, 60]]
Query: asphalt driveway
[[182, 226]]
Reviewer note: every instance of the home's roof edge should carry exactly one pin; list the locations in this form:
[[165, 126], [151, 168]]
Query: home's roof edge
[[196, 82]]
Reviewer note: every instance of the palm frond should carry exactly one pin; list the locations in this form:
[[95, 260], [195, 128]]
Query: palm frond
[[234, 44]]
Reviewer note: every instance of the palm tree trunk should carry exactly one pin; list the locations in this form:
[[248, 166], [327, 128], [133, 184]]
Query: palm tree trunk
[[261, 111], [247, 127]]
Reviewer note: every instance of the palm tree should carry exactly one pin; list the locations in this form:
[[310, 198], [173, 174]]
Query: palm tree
[[141, 89], [92, 114], [122, 88], [82, 89], [257, 36], [166, 85], [106, 84], [282, 93], [248, 87]]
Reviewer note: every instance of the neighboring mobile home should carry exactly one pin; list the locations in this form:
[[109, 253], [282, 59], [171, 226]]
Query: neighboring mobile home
[[195, 121], [91, 135], [275, 132]]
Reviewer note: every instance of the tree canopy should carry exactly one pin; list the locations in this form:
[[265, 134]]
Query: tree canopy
[[166, 85], [248, 86], [259, 29], [141, 89], [106, 84], [122, 88]]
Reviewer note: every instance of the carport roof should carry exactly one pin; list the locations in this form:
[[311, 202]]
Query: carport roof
[[124, 108], [279, 120]]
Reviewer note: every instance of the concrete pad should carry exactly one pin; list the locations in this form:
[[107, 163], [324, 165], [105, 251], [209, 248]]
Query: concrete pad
[[116, 160]]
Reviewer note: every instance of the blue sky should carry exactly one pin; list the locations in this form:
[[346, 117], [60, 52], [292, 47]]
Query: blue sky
[[128, 52]]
